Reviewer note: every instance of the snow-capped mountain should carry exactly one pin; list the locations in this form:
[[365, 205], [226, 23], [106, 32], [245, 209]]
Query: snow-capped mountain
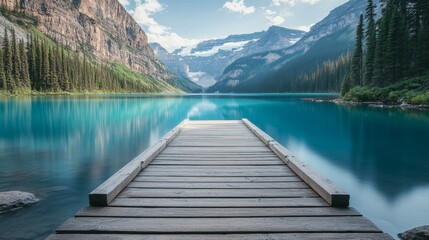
[[208, 59], [328, 38]]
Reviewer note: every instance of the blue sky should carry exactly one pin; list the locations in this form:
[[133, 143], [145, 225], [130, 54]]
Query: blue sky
[[176, 23]]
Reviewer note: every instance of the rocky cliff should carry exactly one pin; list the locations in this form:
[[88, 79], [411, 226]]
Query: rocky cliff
[[101, 28]]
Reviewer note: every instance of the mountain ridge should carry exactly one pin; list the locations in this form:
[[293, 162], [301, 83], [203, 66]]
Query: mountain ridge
[[253, 68], [208, 59], [101, 28]]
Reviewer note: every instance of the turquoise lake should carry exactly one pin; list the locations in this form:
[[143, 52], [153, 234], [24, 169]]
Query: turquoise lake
[[61, 148]]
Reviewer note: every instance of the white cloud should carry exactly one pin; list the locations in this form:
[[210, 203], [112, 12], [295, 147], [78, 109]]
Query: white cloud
[[305, 28], [273, 17], [293, 2], [156, 32], [124, 2], [239, 6]]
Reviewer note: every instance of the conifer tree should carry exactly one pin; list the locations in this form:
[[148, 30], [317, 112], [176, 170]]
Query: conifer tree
[[370, 35], [2, 75], [357, 61], [16, 61], [24, 72], [7, 63]]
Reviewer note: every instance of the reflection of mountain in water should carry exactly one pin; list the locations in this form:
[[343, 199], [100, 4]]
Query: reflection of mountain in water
[[61, 148]]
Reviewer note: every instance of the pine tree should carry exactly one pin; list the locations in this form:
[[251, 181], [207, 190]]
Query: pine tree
[[370, 35], [7, 63], [32, 62], [357, 61], [2, 75], [45, 76], [24, 72], [16, 61], [392, 48]]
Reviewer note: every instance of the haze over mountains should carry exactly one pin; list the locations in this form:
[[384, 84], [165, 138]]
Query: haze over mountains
[[103, 32], [205, 62], [253, 62]]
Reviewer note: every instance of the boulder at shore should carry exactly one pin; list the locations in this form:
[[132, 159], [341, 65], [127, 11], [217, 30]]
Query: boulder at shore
[[418, 233], [15, 199]]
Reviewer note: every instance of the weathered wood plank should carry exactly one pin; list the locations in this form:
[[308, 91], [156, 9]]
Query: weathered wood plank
[[218, 179], [107, 191], [215, 193], [216, 174], [218, 225], [219, 185], [268, 236], [216, 163], [325, 188], [220, 173], [249, 156], [218, 202], [215, 212], [216, 144]]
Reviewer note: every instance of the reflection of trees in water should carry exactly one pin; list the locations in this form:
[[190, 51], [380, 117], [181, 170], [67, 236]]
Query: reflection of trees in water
[[94, 137], [385, 148]]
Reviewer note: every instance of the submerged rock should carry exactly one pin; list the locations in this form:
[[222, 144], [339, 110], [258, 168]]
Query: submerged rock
[[418, 233], [15, 199]]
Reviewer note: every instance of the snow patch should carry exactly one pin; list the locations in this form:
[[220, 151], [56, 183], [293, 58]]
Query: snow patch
[[232, 83], [269, 58], [195, 76], [228, 46]]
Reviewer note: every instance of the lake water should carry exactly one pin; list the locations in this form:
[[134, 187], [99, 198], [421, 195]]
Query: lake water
[[61, 148]]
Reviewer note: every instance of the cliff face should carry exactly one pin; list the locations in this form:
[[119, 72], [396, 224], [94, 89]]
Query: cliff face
[[102, 28]]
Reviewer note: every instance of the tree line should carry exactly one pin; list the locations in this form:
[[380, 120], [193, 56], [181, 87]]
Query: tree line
[[391, 48], [41, 65]]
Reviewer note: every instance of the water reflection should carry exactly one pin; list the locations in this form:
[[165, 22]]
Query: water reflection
[[60, 148]]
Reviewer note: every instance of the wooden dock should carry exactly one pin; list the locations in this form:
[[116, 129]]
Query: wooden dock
[[210, 180]]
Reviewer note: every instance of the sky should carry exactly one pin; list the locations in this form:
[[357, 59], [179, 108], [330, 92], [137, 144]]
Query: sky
[[178, 23]]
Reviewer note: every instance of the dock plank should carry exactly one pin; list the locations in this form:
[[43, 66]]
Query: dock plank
[[126, 212], [233, 179], [267, 236], [218, 180], [218, 185], [218, 225], [218, 202], [214, 193]]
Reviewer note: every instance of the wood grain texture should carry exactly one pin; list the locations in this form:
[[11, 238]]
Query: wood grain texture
[[221, 180], [218, 202], [215, 193], [233, 179], [266, 236], [126, 212], [218, 225], [219, 185]]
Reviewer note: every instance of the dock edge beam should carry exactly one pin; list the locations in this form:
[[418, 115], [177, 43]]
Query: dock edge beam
[[324, 187], [107, 191]]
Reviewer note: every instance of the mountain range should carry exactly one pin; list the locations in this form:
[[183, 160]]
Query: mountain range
[[101, 31], [265, 72], [205, 62], [105, 33]]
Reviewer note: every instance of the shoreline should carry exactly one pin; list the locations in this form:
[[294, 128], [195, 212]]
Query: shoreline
[[339, 101]]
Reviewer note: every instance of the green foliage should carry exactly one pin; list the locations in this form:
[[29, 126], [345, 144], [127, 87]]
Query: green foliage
[[357, 61], [42, 65], [411, 91], [401, 51], [371, 41], [184, 84]]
